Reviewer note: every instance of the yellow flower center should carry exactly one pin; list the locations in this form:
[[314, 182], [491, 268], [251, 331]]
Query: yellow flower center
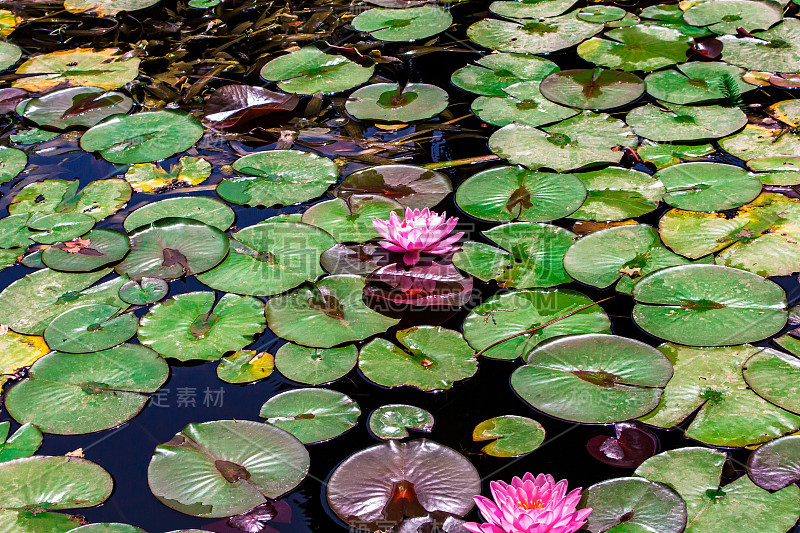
[[528, 506]]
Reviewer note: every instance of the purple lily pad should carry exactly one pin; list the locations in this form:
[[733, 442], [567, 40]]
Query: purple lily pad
[[234, 105], [776, 465], [631, 446]]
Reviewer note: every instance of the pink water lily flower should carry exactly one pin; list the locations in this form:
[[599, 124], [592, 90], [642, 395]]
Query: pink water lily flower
[[530, 505], [420, 231]]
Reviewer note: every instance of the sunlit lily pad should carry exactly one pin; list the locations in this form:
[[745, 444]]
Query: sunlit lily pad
[[325, 313], [108, 527], [226, 467], [147, 177], [608, 378], [696, 474], [379, 486], [143, 137], [106, 8], [770, 374], [30, 303], [708, 305], [74, 106], [32, 136], [173, 247], [504, 315], [19, 351], [494, 72], [59, 227], [9, 55], [315, 366], [310, 71], [624, 253], [311, 415], [104, 246], [87, 392], [532, 10], [757, 141], [431, 358], [514, 193], [531, 255], [245, 366], [668, 154], [90, 328], [685, 123], [278, 177], [523, 103], [697, 82], [532, 37], [601, 13], [270, 258], [640, 47], [78, 67], [350, 220], [98, 199], [386, 102], [393, 421], [761, 237], [592, 88], [585, 139], [205, 209], [12, 162], [708, 186], [408, 24], [776, 464], [776, 49], [510, 436], [616, 193], [411, 186], [144, 291], [193, 326], [726, 16], [23, 443]]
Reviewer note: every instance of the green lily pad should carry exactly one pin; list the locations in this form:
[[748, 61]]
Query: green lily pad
[[592, 88], [9, 55], [585, 139], [245, 366], [315, 366], [620, 255], [615, 193], [278, 177], [99, 199], [710, 379], [408, 24], [494, 72], [350, 220], [668, 154], [607, 378], [90, 328], [143, 137], [106, 8], [775, 465], [207, 210], [409, 185], [310, 71], [311, 415], [695, 473], [685, 123], [393, 421], [504, 315], [511, 435], [502, 194], [14, 231], [23, 443], [147, 177], [169, 248], [431, 358], [144, 291], [697, 82], [192, 326], [107, 527], [105, 246], [531, 255], [268, 259], [726, 16], [325, 313], [226, 467], [104, 68], [665, 12], [32, 136], [769, 373], [523, 103], [533, 10], [531, 37], [12, 162], [29, 304], [87, 392], [601, 13], [708, 305], [74, 106], [640, 47], [59, 227], [385, 102], [776, 49], [633, 505], [708, 186], [760, 237], [757, 141]]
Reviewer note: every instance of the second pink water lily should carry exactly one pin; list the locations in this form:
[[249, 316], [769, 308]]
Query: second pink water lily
[[418, 232]]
